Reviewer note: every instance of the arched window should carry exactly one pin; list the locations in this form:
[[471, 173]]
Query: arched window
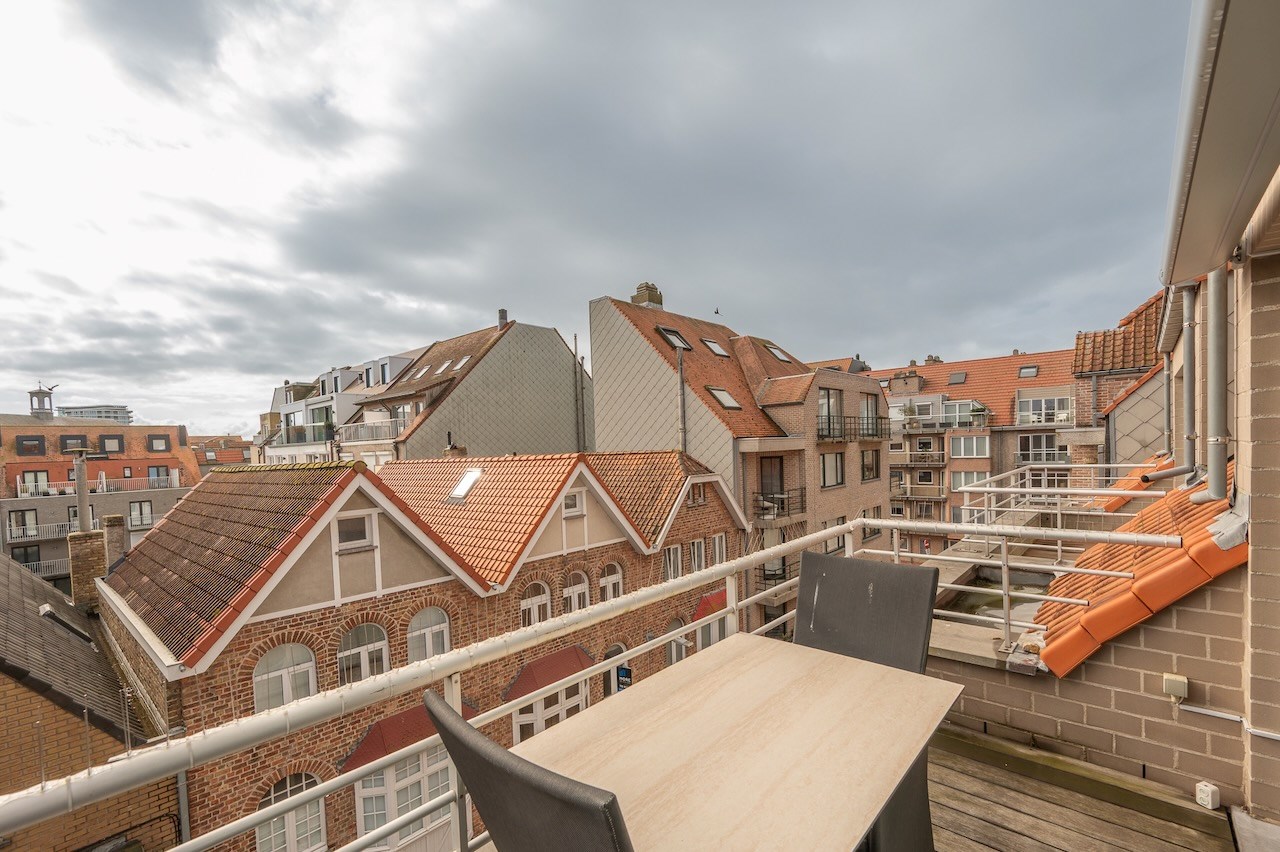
[[535, 605], [576, 592], [284, 674], [363, 652], [611, 676], [611, 582], [300, 830], [675, 648], [428, 634]]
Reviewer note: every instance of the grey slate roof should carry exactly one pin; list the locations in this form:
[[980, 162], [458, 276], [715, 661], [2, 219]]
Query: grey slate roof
[[45, 657]]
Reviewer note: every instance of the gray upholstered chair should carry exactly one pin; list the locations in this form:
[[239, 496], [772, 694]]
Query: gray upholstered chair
[[525, 807], [883, 613]]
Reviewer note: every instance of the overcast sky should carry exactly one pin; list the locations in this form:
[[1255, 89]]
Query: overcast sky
[[199, 199]]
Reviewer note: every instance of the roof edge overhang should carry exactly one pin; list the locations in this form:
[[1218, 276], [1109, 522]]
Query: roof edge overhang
[[159, 654], [1228, 143]]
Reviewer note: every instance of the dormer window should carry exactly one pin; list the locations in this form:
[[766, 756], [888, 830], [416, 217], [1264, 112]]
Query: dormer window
[[724, 397], [777, 353], [460, 491], [715, 347], [461, 361], [674, 338], [368, 377], [1028, 372], [384, 372], [444, 366]]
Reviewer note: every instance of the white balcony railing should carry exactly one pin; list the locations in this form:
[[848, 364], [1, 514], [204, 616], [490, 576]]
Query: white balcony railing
[[49, 567], [1043, 457], [1032, 418], [101, 485], [36, 532], [373, 430], [52, 798]]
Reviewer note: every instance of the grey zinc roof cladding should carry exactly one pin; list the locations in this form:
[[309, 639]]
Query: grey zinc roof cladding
[[46, 658]]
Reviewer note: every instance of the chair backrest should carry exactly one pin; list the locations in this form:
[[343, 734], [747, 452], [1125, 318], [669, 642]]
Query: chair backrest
[[875, 611], [524, 806]]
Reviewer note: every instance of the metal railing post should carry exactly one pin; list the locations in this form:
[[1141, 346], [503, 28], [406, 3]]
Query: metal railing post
[[897, 545], [459, 812], [1059, 526], [1007, 646], [731, 598]]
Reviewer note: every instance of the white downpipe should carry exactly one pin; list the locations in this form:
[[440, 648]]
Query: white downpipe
[[1189, 374], [1168, 405], [1216, 379]]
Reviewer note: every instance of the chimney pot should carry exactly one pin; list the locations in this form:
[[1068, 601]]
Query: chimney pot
[[647, 296], [502, 317]]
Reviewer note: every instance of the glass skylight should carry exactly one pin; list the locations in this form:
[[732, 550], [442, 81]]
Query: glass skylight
[[777, 353], [444, 366], [1028, 372], [957, 378], [464, 485], [715, 347], [673, 337], [724, 397], [458, 366]]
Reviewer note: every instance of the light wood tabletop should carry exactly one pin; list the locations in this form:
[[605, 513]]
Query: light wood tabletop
[[752, 743]]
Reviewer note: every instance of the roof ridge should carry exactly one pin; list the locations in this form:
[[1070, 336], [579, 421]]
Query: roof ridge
[[255, 468]]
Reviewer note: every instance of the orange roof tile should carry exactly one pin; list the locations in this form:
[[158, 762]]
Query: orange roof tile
[[1162, 576], [703, 368], [711, 602], [646, 484], [1131, 345], [545, 671], [788, 390], [992, 381]]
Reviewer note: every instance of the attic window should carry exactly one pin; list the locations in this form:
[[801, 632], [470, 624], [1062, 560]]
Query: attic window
[[422, 372], [724, 397], [444, 366], [1028, 372], [47, 611], [777, 353], [957, 378], [673, 337], [458, 366], [715, 347], [459, 492]]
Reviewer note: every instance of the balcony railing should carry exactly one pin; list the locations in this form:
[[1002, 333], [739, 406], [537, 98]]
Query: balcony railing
[[307, 433], [166, 757], [373, 430], [778, 504], [777, 572], [36, 532], [1032, 418], [141, 522], [840, 428], [935, 458], [914, 490], [1043, 457], [941, 423], [49, 567], [99, 486]]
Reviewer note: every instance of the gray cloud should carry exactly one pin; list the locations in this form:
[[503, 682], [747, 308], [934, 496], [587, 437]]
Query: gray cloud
[[314, 121]]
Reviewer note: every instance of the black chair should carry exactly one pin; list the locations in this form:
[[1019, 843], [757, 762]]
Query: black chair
[[525, 807], [883, 613]]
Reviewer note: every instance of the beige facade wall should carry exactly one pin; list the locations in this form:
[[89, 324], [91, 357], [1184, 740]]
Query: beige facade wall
[[596, 526], [518, 399], [638, 403]]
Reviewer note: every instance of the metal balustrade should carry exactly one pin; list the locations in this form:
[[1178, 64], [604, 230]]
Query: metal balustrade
[[49, 567], [768, 505], [39, 532], [168, 757], [371, 430], [102, 485], [833, 427]]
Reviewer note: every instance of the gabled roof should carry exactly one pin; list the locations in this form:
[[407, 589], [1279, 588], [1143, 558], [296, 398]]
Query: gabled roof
[[1131, 345], [545, 671], [1162, 577], [992, 381], [52, 660], [1127, 392], [192, 576], [704, 369], [787, 390], [646, 485]]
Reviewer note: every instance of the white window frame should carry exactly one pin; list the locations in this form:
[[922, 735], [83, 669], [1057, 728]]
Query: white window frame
[[979, 447], [286, 675], [116, 444], [924, 477], [576, 593], [141, 518], [366, 518], [874, 513], [430, 633], [674, 338], [897, 446], [672, 566], [965, 478], [834, 545], [288, 823], [611, 582], [697, 554], [677, 647], [444, 366], [535, 608], [924, 510], [712, 632], [897, 510], [547, 712], [429, 771], [462, 362], [719, 548], [371, 657], [725, 398], [715, 347], [575, 503], [1030, 371], [469, 478]]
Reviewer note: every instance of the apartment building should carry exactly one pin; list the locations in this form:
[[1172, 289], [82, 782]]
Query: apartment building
[[214, 450], [119, 413], [338, 574], [953, 424], [509, 388], [802, 448], [137, 471]]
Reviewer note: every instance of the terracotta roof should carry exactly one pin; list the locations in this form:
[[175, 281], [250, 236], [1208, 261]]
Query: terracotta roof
[[197, 569], [547, 670], [711, 602], [845, 365], [1131, 345], [759, 363], [394, 733], [46, 657], [1124, 394], [646, 484], [992, 381], [703, 368], [788, 390], [1162, 576]]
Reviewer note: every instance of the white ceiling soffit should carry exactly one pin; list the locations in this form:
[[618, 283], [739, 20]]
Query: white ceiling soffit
[[1228, 144]]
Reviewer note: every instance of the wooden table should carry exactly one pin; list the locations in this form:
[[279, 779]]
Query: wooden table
[[752, 743]]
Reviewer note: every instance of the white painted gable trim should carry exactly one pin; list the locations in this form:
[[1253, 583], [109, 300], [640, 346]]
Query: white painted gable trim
[[159, 654], [721, 487]]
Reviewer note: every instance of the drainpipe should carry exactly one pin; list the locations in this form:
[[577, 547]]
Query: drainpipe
[[682, 437], [1216, 385], [1094, 384], [1168, 405], [184, 808], [1189, 373]]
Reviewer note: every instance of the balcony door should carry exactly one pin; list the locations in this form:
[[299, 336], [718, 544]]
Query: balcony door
[[870, 406], [771, 475]]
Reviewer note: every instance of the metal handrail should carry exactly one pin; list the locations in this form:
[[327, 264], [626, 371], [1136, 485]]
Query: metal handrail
[[768, 505], [371, 430]]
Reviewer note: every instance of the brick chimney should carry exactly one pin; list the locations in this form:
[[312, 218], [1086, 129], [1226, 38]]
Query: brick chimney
[[88, 562], [932, 359], [117, 537], [647, 296], [502, 317], [454, 452]]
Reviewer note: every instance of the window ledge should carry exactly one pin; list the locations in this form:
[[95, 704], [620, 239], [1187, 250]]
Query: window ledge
[[356, 548]]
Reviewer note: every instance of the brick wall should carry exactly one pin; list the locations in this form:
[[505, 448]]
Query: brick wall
[[1109, 387], [64, 753], [88, 552], [159, 710], [1111, 710]]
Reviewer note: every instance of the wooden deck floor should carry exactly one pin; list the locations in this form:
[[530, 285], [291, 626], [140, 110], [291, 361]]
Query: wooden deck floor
[[978, 805]]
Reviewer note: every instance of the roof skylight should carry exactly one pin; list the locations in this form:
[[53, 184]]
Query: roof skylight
[[724, 397], [444, 366], [1028, 372], [715, 347], [460, 491], [422, 372], [673, 337], [957, 378], [458, 366], [777, 353]]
